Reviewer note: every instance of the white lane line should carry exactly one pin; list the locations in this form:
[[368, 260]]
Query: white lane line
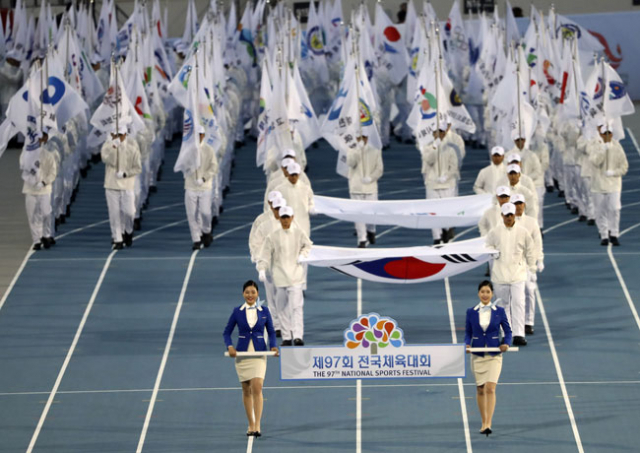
[[566, 222], [164, 227], [633, 139], [359, 381], [86, 227], [15, 278], [165, 356], [556, 362], [632, 306], [631, 228], [56, 385], [454, 338], [250, 444], [324, 225], [388, 231], [239, 227], [310, 387]]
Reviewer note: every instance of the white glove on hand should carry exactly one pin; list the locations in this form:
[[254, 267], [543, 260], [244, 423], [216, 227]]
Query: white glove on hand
[[437, 142], [199, 181], [300, 258], [262, 276], [40, 185], [540, 266], [312, 211], [442, 179], [610, 173], [366, 180], [607, 145], [121, 175], [533, 277]]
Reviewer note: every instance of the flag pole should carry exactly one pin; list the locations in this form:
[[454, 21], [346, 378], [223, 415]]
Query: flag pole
[[575, 78], [518, 95], [39, 67], [196, 120]]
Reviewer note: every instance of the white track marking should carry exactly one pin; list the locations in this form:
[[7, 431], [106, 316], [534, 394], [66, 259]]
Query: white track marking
[[454, 338], [165, 356], [15, 278], [556, 362], [76, 338], [632, 306]]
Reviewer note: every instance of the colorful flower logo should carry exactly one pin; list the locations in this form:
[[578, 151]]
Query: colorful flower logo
[[365, 114], [373, 331]]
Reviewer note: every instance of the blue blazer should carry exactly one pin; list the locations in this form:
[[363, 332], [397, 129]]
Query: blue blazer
[[246, 333], [478, 338]]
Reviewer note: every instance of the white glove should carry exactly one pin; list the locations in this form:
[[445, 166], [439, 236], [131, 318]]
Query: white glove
[[366, 180], [442, 179], [540, 266], [607, 145], [533, 277], [437, 142], [610, 173], [262, 276], [199, 181], [312, 211], [40, 185], [121, 175], [300, 258], [496, 256]]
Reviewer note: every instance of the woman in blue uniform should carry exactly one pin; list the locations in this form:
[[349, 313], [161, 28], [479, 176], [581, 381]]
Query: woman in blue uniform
[[483, 330], [251, 321]]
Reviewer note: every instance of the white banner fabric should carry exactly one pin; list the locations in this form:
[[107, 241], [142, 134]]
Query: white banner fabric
[[406, 362], [418, 214]]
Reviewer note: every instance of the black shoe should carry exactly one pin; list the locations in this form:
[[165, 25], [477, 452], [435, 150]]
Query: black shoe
[[257, 434], [604, 242], [57, 223], [362, 245], [128, 239], [83, 172], [286, 343], [278, 333], [196, 246], [528, 330], [437, 241], [225, 191], [449, 234], [591, 222], [613, 239], [68, 212], [298, 342], [549, 189], [52, 241], [153, 189], [45, 242], [118, 246], [519, 341], [37, 246], [221, 209], [137, 224], [561, 194], [371, 237], [207, 239], [96, 158], [574, 211], [486, 432], [214, 222], [63, 218], [582, 218]]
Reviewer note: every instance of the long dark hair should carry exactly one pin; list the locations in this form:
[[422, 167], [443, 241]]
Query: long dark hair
[[484, 283], [249, 283]]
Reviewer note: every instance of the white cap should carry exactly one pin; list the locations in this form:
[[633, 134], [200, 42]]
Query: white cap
[[288, 153], [605, 126], [96, 58], [278, 203], [502, 191], [515, 135], [15, 54], [200, 129], [507, 208], [294, 168], [286, 161], [273, 195], [499, 150], [514, 157], [517, 198], [513, 168], [285, 211], [123, 129]]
